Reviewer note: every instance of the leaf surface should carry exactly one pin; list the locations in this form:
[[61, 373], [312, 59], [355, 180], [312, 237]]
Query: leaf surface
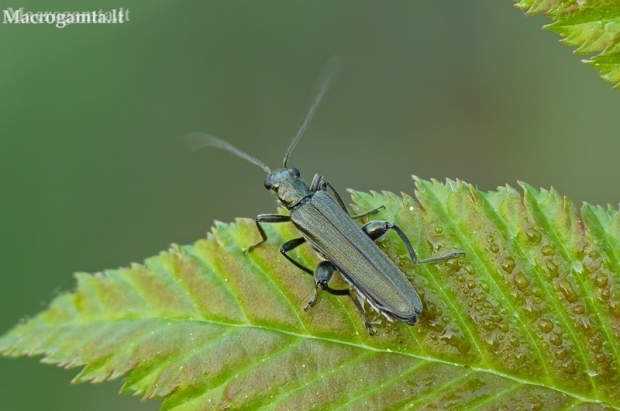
[[529, 319], [593, 26]]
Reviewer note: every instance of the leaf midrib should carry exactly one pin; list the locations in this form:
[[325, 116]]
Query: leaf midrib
[[300, 336]]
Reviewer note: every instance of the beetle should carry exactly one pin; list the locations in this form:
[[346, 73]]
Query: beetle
[[319, 214]]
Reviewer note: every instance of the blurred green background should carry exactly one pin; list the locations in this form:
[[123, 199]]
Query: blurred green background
[[95, 174]]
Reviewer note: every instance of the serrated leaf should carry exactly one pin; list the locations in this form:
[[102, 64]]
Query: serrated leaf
[[529, 319], [593, 26]]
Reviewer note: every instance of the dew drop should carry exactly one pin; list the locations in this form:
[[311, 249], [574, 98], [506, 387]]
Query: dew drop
[[528, 306], [521, 281], [493, 342], [545, 325], [601, 281], [579, 309], [520, 358], [453, 265], [561, 354], [448, 335], [508, 264], [587, 325], [604, 294], [496, 317], [555, 339], [567, 290], [552, 269], [533, 235], [547, 250], [602, 357], [437, 327], [569, 367], [438, 230], [489, 325], [431, 313], [615, 308]]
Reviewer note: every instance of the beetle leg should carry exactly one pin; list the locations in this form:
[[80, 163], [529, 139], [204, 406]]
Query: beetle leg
[[360, 308], [291, 245], [365, 213], [376, 229], [322, 275], [320, 184], [266, 218]]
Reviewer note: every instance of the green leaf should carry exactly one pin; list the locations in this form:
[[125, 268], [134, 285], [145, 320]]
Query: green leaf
[[593, 26], [529, 319]]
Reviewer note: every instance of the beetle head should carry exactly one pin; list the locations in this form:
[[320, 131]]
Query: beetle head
[[287, 186]]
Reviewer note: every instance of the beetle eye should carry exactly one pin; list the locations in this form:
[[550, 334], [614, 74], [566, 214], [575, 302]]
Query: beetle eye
[[295, 172], [268, 183]]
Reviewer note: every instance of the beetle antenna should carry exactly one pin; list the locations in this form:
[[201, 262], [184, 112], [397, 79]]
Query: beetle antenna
[[199, 140], [322, 84]]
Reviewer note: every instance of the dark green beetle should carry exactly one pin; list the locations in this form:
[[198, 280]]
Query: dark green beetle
[[321, 217]]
